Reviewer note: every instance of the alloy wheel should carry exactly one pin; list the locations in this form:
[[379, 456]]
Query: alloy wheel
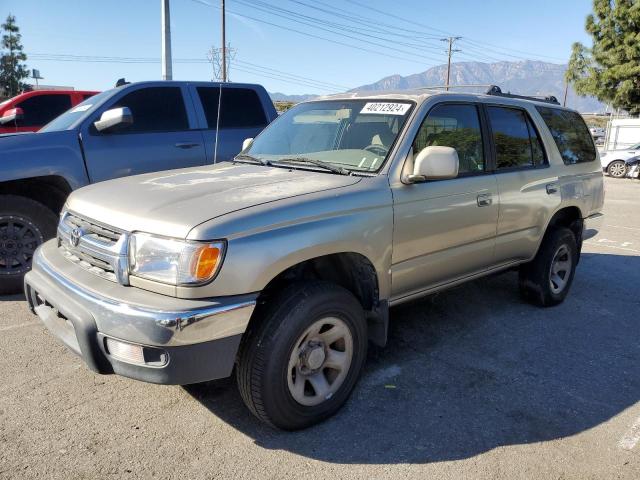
[[19, 237]]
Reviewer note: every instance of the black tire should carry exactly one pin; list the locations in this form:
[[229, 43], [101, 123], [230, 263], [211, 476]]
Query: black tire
[[263, 361], [617, 169], [536, 284], [24, 225]]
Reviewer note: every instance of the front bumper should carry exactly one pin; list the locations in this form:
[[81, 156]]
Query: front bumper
[[185, 341]]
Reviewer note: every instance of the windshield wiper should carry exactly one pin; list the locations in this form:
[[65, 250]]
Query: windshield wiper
[[246, 156], [318, 163]]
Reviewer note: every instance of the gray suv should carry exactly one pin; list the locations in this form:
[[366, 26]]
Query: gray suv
[[284, 263]]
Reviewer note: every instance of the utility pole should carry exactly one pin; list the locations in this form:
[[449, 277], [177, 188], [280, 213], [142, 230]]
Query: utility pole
[[450, 52], [224, 47], [566, 91], [167, 73]]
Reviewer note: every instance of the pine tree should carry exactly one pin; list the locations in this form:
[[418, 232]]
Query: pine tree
[[12, 69], [610, 70]]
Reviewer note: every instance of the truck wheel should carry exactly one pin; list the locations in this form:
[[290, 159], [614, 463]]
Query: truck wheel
[[24, 225], [302, 361], [546, 280], [617, 169]]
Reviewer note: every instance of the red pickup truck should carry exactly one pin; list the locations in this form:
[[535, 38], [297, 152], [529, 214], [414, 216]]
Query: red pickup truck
[[30, 111]]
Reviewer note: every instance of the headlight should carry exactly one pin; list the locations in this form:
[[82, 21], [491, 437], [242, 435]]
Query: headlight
[[173, 261]]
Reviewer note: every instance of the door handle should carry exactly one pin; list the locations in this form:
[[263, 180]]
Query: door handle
[[185, 145], [484, 200], [552, 188]]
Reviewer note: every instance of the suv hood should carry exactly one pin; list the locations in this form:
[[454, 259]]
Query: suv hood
[[172, 202]]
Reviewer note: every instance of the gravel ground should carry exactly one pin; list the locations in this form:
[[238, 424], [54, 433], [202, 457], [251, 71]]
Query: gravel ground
[[473, 384]]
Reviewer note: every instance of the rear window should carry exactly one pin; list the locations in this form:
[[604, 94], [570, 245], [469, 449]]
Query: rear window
[[571, 135], [240, 107]]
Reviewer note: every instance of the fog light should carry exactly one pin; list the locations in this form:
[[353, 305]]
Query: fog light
[[125, 351]]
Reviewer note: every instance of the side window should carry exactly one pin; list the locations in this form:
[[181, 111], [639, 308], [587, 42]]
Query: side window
[[515, 138], [41, 109], [570, 133], [457, 126], [154, 109], [240, 107]]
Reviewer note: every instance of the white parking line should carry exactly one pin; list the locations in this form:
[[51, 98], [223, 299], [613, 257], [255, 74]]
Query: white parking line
[[620, 226], [612, 246], [20, 325], [632, 437]]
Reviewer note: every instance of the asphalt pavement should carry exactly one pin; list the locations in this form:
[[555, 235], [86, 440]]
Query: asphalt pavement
[[474, 383]]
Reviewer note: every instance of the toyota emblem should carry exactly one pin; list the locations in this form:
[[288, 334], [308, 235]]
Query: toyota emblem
[[76, 234]]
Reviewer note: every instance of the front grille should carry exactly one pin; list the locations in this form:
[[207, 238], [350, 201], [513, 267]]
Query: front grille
[[93, 230], [98, 249]]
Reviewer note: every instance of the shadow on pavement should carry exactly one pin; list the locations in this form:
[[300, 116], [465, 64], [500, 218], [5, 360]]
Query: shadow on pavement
[[475, 368]]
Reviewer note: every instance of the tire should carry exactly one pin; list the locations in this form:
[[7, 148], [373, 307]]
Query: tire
[[271, 377], [539, 283], [24, 225], [617, 169]]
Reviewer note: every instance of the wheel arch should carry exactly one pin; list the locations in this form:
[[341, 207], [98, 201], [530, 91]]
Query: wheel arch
[[50, 190], [569, 216], [352, 271]]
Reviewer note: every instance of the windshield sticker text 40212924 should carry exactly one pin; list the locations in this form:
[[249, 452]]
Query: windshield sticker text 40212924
[[386, 108]]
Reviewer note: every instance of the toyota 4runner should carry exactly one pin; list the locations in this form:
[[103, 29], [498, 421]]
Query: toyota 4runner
[[284, 263]]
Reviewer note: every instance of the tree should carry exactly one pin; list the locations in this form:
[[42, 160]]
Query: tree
[[12, 69], [610, 69]]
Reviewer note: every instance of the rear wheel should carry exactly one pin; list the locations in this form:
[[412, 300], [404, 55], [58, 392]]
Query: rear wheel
[[617, 169], [24, 225], [546, 280], [303, 359]]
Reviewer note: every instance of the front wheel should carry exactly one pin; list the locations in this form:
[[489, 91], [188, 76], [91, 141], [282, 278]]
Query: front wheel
[[617, 169], [304, 357], [24, 225], [546, 280]]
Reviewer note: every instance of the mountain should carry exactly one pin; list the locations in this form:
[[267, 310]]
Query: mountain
[[283, 97], [524, 78]]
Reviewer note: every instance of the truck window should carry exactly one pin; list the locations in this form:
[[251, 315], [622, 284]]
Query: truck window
[[240, 107], [515, 138], [41, 109], [570, 133], [456, 126], [154, 109]]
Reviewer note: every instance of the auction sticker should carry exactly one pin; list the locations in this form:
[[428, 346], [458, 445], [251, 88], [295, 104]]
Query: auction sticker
[[384, 108]]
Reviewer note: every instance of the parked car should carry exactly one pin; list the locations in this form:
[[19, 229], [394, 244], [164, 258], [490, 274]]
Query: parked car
[[616, 162], [135, 128], [597, 132], [30, 111], [285, 262]]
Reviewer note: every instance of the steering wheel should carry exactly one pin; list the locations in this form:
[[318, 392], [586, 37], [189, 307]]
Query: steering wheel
[[377, 149]]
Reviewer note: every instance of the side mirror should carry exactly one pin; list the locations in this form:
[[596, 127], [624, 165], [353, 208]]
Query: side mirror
[[247, 143], [12, 115], [434, 163], [114, 117]]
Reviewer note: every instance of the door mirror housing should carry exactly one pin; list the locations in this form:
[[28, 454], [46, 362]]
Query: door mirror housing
[[434, 163], [247, 143], [114, 117], [12, 115]]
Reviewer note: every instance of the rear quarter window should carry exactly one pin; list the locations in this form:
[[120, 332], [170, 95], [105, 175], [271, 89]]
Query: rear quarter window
[[570, 134]]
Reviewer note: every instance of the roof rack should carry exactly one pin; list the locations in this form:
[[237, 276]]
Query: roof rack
[[496, 91], [483, 86]]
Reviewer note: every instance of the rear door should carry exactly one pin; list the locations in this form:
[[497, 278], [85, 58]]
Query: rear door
[[528, 186], [445, 230], [242, 116], [163, 135]]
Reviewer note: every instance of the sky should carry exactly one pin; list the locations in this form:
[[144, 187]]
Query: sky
[[289, 46]]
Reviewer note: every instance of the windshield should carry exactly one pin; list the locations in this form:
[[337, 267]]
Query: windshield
[[70, 117], [350, 135]]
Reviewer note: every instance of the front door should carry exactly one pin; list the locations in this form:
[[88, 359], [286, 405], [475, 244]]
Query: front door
[[161, 136], [445, 230]]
